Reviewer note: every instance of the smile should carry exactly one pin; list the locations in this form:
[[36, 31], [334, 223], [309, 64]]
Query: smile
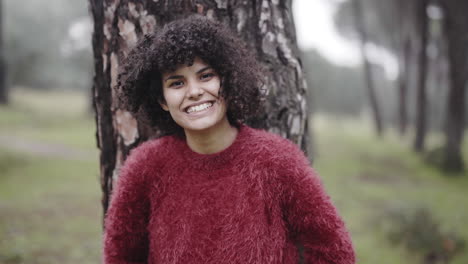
[[198, 108]]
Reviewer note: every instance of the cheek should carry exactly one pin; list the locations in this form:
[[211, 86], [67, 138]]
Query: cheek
[[215, 88], [170, 97]]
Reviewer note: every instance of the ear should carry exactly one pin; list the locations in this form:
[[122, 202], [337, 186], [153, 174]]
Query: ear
[[163, 105]]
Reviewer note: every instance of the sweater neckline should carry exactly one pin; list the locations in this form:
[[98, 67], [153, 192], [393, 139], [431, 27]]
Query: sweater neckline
[[214, 160]]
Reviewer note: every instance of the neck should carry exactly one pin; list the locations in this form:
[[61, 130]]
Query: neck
[[213, 139]]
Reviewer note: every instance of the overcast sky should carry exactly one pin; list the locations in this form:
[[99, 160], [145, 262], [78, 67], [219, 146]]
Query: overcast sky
[[315, 29]]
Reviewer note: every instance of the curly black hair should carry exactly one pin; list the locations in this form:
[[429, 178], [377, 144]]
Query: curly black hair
[[178, 43]]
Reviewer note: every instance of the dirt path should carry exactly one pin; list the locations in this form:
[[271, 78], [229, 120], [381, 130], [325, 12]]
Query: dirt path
[[46, 149]]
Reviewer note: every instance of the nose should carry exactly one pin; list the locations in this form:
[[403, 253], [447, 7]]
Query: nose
[[194, 90]]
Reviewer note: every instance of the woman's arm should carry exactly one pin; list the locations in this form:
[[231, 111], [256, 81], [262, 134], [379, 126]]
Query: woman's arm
[[311, 217], [126, 237]]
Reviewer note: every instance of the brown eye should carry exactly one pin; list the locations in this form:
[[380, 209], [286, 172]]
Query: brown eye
[[176, 84], [206, 76]]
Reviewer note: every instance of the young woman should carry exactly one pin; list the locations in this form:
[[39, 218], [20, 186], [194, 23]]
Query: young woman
[[213, 190]]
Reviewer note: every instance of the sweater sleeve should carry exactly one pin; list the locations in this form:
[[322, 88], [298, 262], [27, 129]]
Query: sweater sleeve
[[125, 237], [312, 219]]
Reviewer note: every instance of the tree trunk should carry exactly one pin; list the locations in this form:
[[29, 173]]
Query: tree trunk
[[421, 99], [456, 24], [267, 26], [404, 62], [404, 49], [360, 26], [3, 85]]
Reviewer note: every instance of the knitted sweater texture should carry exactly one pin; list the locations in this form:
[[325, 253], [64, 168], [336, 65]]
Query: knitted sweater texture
[[253, 202]]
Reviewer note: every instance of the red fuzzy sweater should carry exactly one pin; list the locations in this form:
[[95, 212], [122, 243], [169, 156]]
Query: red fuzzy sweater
[[253, 202]]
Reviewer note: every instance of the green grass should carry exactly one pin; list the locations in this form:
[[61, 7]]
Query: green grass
[[369, 177], [50, 209], [50, 116]]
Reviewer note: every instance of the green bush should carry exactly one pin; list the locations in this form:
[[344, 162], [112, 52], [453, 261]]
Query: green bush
[[419, 232]]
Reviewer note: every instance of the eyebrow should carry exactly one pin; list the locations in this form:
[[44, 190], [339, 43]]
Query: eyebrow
[[180, 76]]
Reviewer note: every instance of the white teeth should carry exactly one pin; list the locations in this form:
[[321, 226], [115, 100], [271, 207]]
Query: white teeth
[[199, 107]]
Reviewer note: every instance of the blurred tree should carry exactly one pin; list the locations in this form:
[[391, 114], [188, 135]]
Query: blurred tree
[[268, 28], [421, 98], [401, 39], [338, 90], [361, 29], [437, 66], [418, 38], [393, 26], [3, 85], [41, 56], [456, 25], [395, 35]]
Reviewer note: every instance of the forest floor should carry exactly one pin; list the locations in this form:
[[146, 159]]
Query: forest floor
[[50, 210]]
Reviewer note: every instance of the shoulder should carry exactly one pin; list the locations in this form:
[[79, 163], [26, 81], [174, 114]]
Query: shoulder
[[152, 149], [273, 147], [283, 160], [148, 156]]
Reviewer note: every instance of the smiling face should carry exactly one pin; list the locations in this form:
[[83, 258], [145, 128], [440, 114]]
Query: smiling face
[[191, 95]]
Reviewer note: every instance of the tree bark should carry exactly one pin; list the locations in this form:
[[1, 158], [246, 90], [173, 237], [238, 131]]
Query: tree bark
[[421, 100], [3, 85], [456, 24], [267, 27], [360, 26]]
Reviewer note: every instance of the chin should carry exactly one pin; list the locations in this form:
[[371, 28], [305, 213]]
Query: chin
[[201, 125]]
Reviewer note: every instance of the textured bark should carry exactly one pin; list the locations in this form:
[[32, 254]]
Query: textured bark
[[456, 24], [105, 132], [360, 26], [421, 100], [267, 26], [3, 85]]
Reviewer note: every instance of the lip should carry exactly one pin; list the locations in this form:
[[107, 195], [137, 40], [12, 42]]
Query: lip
[[198, 103]]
